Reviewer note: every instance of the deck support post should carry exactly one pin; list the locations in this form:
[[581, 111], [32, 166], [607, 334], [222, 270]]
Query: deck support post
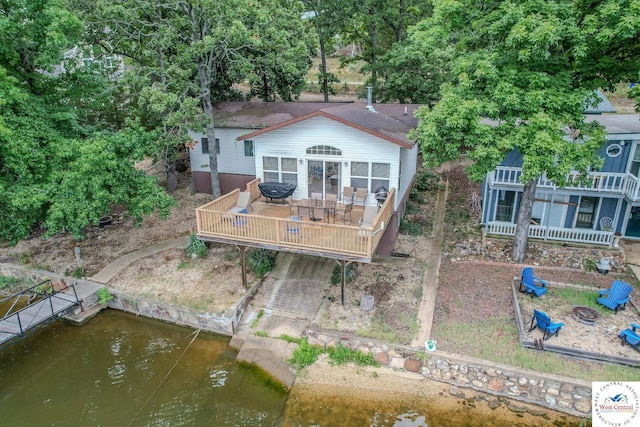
[[243, 265], [343, 275]]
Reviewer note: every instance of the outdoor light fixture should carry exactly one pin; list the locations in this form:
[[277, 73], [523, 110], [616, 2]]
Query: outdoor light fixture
[[346, 164], [301, 161]]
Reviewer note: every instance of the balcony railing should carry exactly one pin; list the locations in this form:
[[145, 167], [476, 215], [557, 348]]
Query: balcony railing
[[574, 235], [348, 242], [600, 182]]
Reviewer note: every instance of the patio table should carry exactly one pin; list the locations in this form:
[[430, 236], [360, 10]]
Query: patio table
[[326, 205]]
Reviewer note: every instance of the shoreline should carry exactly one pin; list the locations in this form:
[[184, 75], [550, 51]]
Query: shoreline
[[373, 388]]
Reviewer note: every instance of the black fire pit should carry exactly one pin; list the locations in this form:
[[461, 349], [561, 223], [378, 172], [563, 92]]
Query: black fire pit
[[586, 315]]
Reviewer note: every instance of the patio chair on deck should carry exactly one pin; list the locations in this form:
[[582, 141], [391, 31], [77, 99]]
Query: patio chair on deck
[[606, 223], [292, 228], [541, 320], [306, 211], [630, 336], [331, 197], [617, 296], [368, 215], [360, 196], [316, 197], [342, 211], [528, 280], [243, 202], [348, 193]]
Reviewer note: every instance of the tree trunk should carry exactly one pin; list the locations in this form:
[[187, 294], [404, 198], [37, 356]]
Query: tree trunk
[[323, 71], [211, 129], [374, 72], [523, 222], [172, 178]]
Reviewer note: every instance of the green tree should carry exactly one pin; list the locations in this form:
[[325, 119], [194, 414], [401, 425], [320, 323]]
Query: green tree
[[376, 26], [187, 55], [519, 76], [62, 163]]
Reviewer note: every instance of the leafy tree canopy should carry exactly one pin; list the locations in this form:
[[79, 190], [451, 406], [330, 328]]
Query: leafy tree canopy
[[63, 162]]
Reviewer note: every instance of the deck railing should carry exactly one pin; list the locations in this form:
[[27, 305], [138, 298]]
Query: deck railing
[[575, 235], [252, 187], [215, 222], [602, 182]]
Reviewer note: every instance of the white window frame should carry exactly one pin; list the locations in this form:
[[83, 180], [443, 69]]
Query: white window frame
[[284, 175]]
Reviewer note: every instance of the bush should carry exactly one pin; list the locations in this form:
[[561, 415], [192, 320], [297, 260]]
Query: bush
[[351, 273], [261, 261], [427, 181], [341, 355], [410, 227], [196, 247], [305, 355], [10, 283], [104, 296]]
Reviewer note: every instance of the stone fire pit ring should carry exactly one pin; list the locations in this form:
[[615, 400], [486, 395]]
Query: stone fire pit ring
[[585, 315]]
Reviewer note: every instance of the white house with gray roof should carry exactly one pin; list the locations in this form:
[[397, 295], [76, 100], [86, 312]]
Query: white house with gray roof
[[318, 147]]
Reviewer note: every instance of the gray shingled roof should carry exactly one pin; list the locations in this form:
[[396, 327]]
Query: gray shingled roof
[[617, 123], [387, 121]]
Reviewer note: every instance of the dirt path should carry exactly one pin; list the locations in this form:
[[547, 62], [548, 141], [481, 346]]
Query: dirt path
[[430, 281]]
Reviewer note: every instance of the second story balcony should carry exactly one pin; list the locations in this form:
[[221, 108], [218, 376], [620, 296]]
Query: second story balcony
[[604, 183]]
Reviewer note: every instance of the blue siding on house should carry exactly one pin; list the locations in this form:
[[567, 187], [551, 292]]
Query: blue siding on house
[[571, 211], [513, 159], [607, 208], [615, 164]]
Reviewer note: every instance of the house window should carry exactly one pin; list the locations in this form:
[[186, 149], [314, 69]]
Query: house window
[[505, 206], [614, 150], [248, 148], [587, 212], [370, 176], [324, 150], [360, 175], [380, 173], [283, 169], [205, 145]]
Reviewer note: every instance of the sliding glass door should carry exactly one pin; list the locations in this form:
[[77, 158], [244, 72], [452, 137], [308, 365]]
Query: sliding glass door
[[324, 177]]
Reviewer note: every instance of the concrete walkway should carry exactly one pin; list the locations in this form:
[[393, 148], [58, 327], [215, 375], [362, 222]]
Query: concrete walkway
[[632, 253], [293, 294], [115, 267]]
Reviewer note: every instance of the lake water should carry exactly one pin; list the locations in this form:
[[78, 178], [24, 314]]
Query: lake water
[[123, 370]]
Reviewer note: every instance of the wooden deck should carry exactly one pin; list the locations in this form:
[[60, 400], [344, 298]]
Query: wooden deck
[[269, 226], [50, 307]]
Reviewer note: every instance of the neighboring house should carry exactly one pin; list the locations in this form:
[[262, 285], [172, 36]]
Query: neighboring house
[[318, 147], [112, 64], [575, 213]]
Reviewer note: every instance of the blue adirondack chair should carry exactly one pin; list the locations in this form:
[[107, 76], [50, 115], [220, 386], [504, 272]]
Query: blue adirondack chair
[[616, 297], [541, 320], [529, 281], [630, 336]]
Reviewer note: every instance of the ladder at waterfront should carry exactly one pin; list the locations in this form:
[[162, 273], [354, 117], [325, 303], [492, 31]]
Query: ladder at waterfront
[[33, 307]]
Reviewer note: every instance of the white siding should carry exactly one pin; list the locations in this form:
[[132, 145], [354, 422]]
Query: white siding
[[292, 142], [409, 159], [231, 158]]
